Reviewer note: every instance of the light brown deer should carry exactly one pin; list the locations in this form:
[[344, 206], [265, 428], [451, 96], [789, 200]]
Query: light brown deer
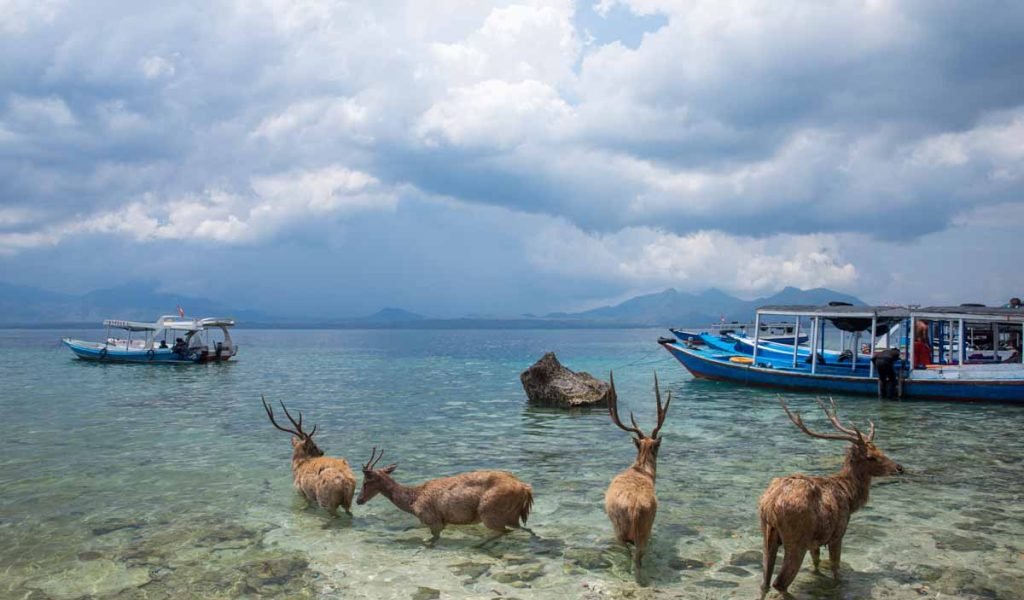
[[630, 501], [327, 481], [495, 498], [802, 513]]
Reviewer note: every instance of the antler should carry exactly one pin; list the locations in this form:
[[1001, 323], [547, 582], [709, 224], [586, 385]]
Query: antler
[[298, 426], [834, 419], [799, 422], [662, 412], [370, 464], [613, 410]]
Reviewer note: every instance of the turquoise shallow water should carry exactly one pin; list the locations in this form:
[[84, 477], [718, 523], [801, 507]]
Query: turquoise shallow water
[[125, 481]]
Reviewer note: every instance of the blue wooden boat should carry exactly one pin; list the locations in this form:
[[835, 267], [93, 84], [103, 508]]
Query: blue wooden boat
[[148, 342], [946, 372]]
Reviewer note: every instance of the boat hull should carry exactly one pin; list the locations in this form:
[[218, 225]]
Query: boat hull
[[97, 352], [719, 368]]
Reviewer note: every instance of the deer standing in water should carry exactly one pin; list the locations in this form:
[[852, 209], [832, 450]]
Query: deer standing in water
[[327, 481], [495, 498], [802, 513], [630, 501]]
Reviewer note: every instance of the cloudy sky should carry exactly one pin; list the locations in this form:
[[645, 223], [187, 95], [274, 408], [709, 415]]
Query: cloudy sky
[[460, 156]]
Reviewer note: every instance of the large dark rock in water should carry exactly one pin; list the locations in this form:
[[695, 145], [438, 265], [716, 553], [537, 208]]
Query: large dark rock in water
[[548, 383]]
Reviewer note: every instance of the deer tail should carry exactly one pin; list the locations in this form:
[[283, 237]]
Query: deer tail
[[527, 504]]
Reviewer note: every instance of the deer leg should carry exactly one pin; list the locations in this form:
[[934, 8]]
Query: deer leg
[[791, 562], [835, 549], [816, 558], [770, 549], [638, 557]]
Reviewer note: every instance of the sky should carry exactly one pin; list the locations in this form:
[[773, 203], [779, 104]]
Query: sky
[[454, 157]]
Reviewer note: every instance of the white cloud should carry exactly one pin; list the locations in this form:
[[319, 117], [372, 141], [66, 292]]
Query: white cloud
[[156, 67], [997, 142], [514, 43], [497, 114], [216, 215], [331, 116], [19, 16], [651, 258], [50, 110]]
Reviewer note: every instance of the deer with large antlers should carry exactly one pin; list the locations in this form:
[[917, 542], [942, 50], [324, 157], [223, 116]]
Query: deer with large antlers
[[802, 513], [495, 498], [327, 481], [630, 501]]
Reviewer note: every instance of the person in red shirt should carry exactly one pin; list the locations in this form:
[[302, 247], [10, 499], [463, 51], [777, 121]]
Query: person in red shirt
[[922, 351], [922, 354]]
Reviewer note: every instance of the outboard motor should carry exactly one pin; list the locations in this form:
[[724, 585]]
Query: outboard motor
[[885, 364]]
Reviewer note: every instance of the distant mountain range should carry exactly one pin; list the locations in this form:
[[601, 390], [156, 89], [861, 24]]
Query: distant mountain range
[[677, 308], [132, 301], [20, 305]]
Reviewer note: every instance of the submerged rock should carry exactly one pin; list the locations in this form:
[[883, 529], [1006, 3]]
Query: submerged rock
[[472, 570], [548, 383], [426, 593], [746, 558]]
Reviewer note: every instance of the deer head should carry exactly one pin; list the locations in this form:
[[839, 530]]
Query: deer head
[[646, 446], [303, 445], [374, 480], [863, 454]]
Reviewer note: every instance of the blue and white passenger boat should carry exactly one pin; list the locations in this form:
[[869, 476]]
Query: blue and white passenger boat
[[962, 353], [170, 340]]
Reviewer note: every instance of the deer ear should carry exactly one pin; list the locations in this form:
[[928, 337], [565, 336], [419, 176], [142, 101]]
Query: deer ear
[[390, 468]]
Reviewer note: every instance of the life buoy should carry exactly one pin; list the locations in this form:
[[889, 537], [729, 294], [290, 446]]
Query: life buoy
[[742, 360], [150, 354], [103, 353]]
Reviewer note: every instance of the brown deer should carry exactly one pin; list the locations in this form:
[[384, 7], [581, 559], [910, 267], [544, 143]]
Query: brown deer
[[327, 481], [630, 501], [496, 498], [803, 513]]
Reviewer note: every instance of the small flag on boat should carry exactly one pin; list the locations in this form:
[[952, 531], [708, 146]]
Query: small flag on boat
[[181, 312]]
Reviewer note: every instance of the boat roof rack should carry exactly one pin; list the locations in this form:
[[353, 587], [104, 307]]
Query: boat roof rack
[[973, 313], [815, 310], [173, 323]]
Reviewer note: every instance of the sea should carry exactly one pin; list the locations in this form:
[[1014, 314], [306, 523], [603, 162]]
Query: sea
[[153, 481]]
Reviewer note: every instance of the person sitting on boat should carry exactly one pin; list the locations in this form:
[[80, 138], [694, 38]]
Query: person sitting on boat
[[180, 347], [163, 343]]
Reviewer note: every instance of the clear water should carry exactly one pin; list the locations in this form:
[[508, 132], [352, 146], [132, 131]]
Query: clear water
[[137, 481]]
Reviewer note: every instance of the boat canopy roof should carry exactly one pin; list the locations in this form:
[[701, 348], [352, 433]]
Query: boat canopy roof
[[851, 318], [970, 313], [838, 311], [171, 322], [844, 316]]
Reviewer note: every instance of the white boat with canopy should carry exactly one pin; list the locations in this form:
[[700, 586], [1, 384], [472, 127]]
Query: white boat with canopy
[[170, 339]]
